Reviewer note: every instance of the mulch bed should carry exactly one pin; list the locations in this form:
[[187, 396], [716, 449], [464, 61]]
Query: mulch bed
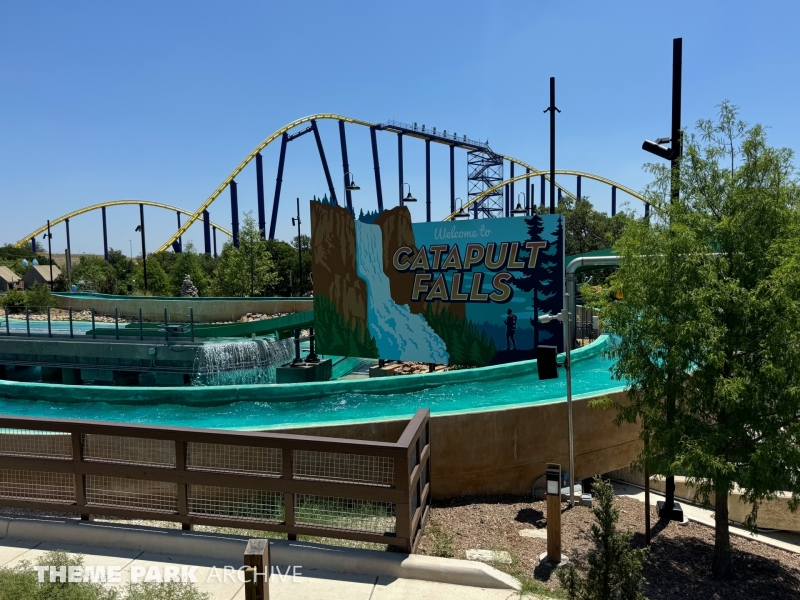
[[679, 565]]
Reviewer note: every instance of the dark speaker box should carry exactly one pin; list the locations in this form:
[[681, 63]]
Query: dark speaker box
[[546, 362]]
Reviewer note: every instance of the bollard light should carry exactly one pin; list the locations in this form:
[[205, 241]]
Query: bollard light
[[553, 476]]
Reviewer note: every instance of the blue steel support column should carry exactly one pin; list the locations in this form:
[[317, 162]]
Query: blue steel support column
[[105, 233], [262, 216], [613, 200], [559, 196], [452, 179], [542, 192], [511, 192], [180, 239], [377, 165], [506, 200], [646, 209], [234, 213], [278, 182], [69, 248], [33, 244], [207, 232], [324, 162], [215, 242], [531, 209], [428, 180], [527, 192], [400, 165], [578, 196], [345, 166]]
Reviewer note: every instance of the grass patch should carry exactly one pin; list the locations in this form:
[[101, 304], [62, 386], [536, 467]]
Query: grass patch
[[529, 585], [442, 541], [21, 583]]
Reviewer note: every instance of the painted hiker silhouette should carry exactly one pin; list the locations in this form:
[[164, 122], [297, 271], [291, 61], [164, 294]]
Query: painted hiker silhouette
[[511, 329]]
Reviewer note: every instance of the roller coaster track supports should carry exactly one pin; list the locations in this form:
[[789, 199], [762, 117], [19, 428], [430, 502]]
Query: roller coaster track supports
[[207, 232], [542, 191], [180, 239], [511, 191], [377, 166], [331, 189], [613, 200], [234, 212], [144, 248], [262, 217], [345, 167], [214, 234], [278, 181], [452, 178], [578, 194], [105, 234], [69, 249], [400, 165], [33, 244], [428, 180], [527, 194]]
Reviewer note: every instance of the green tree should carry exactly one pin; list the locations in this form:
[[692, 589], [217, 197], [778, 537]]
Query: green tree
[[586, 229], [247, 270], [615, 569], [158, 283], [188, 262], [91, 270], [709, 323]]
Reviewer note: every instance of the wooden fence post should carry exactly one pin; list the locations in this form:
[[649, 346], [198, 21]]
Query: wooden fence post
[[256, 558], [80, 479], [288, 497]]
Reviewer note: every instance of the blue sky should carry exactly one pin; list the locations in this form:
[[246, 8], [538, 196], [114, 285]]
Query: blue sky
[[161, 100]]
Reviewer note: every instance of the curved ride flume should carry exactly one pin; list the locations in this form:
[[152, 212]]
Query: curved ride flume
[[278, 133], [271, 406], [100, 205]]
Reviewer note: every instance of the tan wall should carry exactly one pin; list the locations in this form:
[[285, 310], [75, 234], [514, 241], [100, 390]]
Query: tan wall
[[504, 451], [205, 310], [772, 514]]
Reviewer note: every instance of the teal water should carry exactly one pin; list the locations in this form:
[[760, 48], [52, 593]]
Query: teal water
[[39, 328], [590, 377]]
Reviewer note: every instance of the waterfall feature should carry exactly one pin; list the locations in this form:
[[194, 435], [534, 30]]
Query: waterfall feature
[[398, 333], [243, 362]]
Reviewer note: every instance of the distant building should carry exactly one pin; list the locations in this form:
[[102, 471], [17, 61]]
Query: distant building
[[8, 279], [39, 274]]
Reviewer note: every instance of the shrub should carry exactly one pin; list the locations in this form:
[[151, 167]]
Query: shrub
[[39, 298], [14, 301], [615, 569]]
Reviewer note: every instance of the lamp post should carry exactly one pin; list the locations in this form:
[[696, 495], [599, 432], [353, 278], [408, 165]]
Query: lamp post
[[49, 237], [564, 317], [299, 247], [461, 214], [350, 186], [519, 211], [669, 508], [408, 198]]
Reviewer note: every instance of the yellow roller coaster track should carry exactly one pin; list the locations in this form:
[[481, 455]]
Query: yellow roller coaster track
[[534, 173], [86, 209], [199, 212]]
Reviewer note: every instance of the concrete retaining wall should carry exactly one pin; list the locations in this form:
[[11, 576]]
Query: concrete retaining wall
[[772, 514], [504, 451], [206, 310]]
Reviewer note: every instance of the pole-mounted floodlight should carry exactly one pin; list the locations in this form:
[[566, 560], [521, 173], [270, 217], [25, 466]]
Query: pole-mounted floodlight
[[408, 198], [658, 149], [461, 214], [518, 211], [351, 182]]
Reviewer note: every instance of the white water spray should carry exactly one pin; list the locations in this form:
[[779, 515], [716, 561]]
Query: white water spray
[[245, 362]]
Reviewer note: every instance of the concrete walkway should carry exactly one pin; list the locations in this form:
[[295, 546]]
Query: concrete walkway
[[779, 539], [308, 584]]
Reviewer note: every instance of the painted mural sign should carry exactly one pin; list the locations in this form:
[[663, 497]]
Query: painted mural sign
[[463, 293]]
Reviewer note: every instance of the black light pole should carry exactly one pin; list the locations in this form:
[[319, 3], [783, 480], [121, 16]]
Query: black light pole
[[552, 109], [50, 253], [144, 249], [299, 247], [672, 154]]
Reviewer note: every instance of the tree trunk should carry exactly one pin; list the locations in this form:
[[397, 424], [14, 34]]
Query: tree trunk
[[722, 567]]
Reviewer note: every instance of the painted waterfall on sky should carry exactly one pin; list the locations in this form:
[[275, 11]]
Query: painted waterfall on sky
[[465, 293]]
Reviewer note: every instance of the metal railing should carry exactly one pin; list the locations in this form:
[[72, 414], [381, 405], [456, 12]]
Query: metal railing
[[295, 484]]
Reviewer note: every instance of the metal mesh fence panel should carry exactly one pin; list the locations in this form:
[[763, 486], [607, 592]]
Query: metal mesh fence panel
[[40, 486], [29, 442], [236, 503], [335, 466], [345, 513], [128, 450], [137, 494], [227, 458]]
